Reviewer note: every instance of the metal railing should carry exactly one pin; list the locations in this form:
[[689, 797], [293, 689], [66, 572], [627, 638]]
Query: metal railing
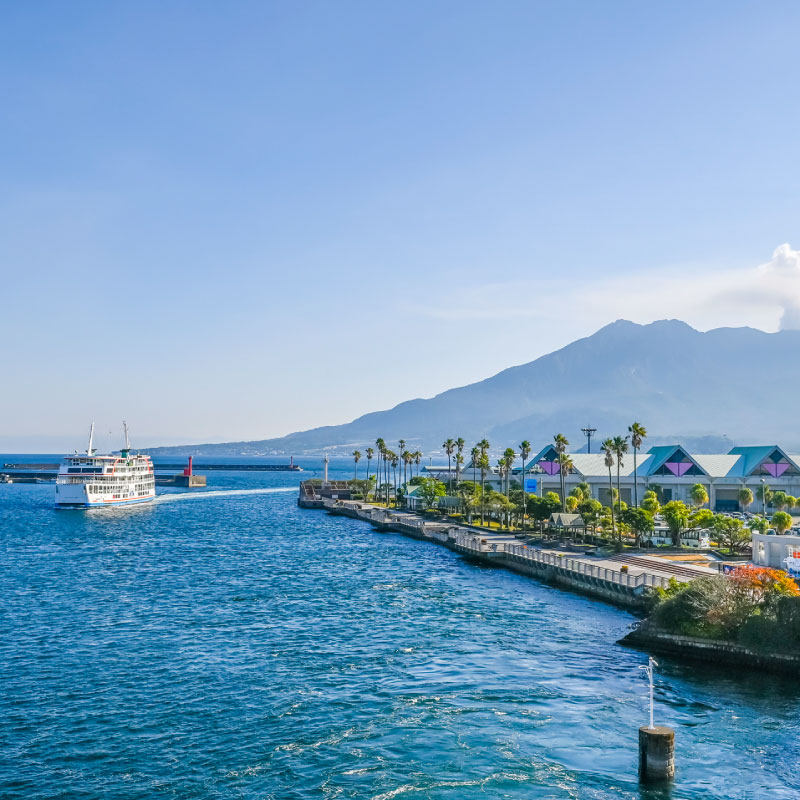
[[483, 545], [575, 566]]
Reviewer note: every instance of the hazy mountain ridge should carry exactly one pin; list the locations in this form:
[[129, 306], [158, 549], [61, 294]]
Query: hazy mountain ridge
[[682, 384]]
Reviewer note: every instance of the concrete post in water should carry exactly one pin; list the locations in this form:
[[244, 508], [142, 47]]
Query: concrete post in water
[[656, 742]]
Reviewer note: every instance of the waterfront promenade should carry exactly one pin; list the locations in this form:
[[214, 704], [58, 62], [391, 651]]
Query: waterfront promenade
[[608, 578]]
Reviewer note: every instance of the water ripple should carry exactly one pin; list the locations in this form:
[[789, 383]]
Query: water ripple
[[242, 647]]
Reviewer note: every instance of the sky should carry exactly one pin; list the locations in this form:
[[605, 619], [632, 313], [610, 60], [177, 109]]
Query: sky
[[229, 221]]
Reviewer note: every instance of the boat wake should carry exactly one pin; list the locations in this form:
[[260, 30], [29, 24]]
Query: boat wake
[[170, 498]]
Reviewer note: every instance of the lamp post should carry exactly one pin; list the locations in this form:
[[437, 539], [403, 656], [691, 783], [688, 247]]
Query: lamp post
[[588, 433], [656, 743]]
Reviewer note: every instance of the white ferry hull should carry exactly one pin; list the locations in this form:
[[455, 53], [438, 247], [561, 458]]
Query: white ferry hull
[[76, 496], [90, 480]]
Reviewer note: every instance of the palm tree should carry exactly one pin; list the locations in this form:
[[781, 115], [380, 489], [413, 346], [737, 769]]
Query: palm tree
[[745, 497], [370, 453], [475, 453], [381, 445], [483, 463], [560, 447], [402, 444], [638, 434], [608, 449], [620, 448], [407, 459], [524, 452], [417, 459], [698, 495], [565, 466], [460, 445], [356, 458], [388, 455], [509, 456], [459, 462], [449, 447]]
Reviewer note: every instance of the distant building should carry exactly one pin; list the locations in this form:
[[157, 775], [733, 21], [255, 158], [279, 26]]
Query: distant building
[[674, 471], [770, 550]]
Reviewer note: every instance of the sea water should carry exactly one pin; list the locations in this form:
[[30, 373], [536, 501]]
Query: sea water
[[224, 643]]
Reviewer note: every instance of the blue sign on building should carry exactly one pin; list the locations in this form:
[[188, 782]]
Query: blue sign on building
[[530, 484]]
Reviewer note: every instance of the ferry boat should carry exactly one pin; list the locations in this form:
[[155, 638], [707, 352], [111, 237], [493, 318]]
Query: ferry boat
[[86, 480]]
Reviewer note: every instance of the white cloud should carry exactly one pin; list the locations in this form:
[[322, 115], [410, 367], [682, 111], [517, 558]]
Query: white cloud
[[765, 296], [781, 282]]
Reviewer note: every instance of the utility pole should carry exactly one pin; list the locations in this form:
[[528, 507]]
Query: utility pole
[[588, 433]]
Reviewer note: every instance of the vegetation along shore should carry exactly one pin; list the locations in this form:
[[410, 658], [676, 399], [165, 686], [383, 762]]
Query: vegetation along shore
[[663, 515]]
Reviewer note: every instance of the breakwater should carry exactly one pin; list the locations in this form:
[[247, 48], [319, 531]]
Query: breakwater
[[647, 637], [583, 574]]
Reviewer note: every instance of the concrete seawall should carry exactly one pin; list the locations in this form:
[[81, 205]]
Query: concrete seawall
[[615, 586], [649, 638]]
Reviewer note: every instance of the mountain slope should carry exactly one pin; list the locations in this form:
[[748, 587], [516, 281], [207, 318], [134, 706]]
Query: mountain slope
[[676, 380]]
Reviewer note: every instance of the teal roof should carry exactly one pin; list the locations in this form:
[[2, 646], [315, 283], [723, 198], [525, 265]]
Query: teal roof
[[540, 455], [662, 453], [753, 457]]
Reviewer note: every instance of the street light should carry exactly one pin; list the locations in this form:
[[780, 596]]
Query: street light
[[588, 433]]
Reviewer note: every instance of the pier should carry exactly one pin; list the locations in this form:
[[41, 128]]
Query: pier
[[605, 578]]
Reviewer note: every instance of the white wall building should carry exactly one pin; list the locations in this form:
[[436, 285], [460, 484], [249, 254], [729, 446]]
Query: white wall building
[[674, 471]]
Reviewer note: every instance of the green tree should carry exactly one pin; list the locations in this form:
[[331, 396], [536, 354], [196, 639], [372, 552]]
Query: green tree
[[402, 443], [702, 518], [591, 509], [431, 490], [650, 503], [417, 459], [639, 521], [565, 466], [449, 448], [608, 449], [779, 500], [460, 445], [380, 445], [620, 448], [524, 452], [540, 509], [356, 459], [759, 524], [476, 454], [509, 457], [745, 498], [408, 460], [676, 515], [781, 521], [370, 453], [469, 492], [638, 434], [698, 495], [730, 533], [459, 459], [764, 496], [571, 504], [560, 446], [484, 466]]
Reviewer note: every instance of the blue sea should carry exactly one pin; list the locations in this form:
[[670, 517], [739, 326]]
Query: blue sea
[[225, 644]]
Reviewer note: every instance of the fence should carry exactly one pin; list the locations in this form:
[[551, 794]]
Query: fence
[[577, 567]]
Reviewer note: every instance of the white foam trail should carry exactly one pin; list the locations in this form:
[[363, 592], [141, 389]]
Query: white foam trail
[[168, 498]]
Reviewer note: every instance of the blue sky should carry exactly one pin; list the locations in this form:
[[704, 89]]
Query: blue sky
[[232, 221]]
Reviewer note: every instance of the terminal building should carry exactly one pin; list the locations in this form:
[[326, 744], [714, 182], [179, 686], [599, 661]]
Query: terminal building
[[673, 470]]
